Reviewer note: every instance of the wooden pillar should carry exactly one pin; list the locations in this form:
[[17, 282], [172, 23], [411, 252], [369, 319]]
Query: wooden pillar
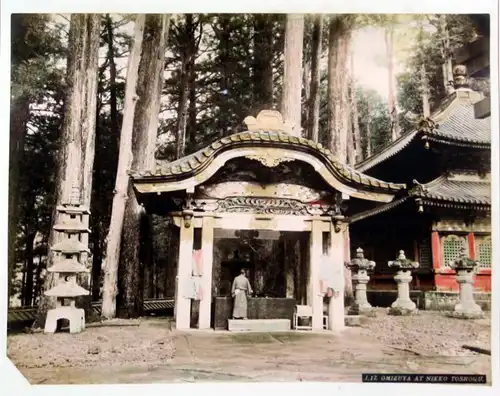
[[184, 271], [436, 252], [337, 252], [472, 245], [207, 254], [290, 256], [315, 300]]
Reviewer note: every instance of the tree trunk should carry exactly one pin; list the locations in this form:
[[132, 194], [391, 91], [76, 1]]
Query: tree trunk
[[30, 269], [19, 115], [136, 245], [368, 131], [38, 280], [351, 156], [292, 78], [340, 31], [112, 76], [192, 43], [392, 99], [425, 91], [446, 53], [358, 150], [262, 75], [122, 179], [78, 131], [313, 119]]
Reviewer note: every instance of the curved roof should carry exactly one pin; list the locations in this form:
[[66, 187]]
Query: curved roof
[[455, 123], [464, 189], [196, 168]]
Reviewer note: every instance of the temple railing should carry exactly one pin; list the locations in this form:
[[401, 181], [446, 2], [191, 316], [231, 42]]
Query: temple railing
[[27, 314]]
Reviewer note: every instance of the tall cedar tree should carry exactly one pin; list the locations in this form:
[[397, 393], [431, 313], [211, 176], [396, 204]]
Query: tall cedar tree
[[339, 38], [78, 131], [315, 92], [392, 98], [292, 78], [114, 238], [136, 249]]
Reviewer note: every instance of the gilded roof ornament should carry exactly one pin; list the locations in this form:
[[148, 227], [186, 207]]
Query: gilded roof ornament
[[268, 120]]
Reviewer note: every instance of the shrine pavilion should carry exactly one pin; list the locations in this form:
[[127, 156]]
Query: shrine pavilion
[[264, 185], [445, 162]]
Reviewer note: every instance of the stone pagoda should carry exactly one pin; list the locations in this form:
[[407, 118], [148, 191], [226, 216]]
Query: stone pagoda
[[71, 254]]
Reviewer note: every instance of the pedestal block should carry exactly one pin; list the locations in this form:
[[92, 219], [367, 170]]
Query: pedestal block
[[403, 304], [361, 304], [75, 316], [467, 307]]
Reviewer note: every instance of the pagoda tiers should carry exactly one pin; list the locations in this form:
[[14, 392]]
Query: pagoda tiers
[[445, 163], [70, 257], [269, 180]]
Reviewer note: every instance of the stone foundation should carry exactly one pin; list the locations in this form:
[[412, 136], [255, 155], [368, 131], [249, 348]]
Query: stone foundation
[[427, 300], [446, 301], [259, 325]]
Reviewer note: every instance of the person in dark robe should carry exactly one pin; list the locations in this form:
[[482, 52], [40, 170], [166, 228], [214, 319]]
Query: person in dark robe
[[240, 291]]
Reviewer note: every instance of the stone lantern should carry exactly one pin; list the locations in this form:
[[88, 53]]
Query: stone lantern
[[360, 265], [403, 304], [467, 307], [70, 257]]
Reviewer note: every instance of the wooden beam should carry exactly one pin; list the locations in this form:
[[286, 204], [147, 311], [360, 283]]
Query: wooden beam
[[472, 245], [207, 248]]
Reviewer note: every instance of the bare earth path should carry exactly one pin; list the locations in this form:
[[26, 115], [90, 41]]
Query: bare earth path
[[151, 352]]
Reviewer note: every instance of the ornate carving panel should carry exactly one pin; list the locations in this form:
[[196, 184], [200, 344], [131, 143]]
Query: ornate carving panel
[[278, 206], [269, 159], [251, 189]]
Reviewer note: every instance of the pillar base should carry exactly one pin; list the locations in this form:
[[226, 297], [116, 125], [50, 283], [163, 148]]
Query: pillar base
[[465, 315], [399, 311], [405, 304], [470, 309], [360, 309]]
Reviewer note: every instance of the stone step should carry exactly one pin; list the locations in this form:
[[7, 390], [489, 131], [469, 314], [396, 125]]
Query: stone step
[[259, 325]]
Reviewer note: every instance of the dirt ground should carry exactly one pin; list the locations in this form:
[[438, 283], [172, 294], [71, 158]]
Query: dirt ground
[[153, 353]]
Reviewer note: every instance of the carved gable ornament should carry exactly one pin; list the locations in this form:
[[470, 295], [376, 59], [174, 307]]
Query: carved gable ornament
[[269, 158], [268, 120]]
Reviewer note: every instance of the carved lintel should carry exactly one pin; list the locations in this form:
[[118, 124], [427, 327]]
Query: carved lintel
[[277, 206], [252, 189]]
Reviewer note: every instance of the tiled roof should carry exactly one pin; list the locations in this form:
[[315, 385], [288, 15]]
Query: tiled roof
[[461, 125], [68, 265], [456, 124], [196, 162], [389, 151], [69, 246], [67, 289], [456, 189], [375, 211]]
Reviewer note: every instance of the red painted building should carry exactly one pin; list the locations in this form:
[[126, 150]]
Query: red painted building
[[445, 163]]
